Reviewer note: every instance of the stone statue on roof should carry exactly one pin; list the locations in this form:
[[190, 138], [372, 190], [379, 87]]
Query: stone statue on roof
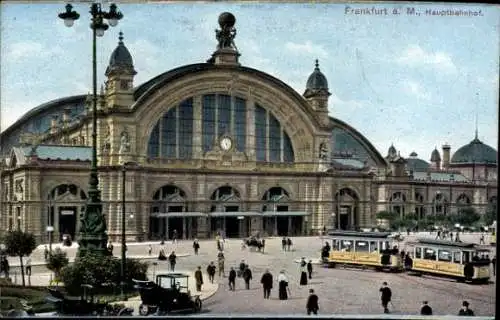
[[124, 142], [323, 151], [225, 36]]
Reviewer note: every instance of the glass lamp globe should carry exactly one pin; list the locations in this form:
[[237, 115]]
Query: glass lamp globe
[[113, 22], [99, 32], [69, 22]]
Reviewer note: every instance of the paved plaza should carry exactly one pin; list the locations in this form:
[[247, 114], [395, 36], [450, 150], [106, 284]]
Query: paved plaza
[[341, 291]]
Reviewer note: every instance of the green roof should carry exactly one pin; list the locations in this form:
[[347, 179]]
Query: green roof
[[476, 152], [416, 164], [48, 152], [440, 176]]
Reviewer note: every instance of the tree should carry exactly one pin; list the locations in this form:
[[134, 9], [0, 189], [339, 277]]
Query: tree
[[385, 215], [19, 244], [57, 260], [466, 216]]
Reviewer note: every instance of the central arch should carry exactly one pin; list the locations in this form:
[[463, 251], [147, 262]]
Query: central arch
[[346, 209], [226, 219]]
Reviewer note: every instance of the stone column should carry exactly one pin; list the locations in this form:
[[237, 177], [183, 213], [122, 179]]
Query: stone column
[[197, 127], [250, 148]]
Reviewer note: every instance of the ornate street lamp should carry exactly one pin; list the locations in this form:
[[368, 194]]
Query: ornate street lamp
[[93, 236]]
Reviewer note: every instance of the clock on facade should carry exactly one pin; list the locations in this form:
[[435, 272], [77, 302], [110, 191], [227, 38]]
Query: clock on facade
[[226, 143]]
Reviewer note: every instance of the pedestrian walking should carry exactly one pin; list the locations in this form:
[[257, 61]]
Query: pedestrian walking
[[312, 305], [172, 258], [5, 266], [174, 236], [247, 276], [263, 243], [385, 296], [267, 283], [310, 269], [426, 310], [198, 276], [232, 279], [211, 272], [161, 255], [438, 236], [465, 311], [283, 244], [288, 244], [221, 260], [481, 240], [494, 263], [242, 267], [28, 267], [46, 253], [282, 286], [196, 246], [457, 237], [150, 250], [303, 273]]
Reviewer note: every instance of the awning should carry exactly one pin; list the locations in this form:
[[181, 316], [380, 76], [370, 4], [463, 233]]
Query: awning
[[177, 214], [284, 213], [235, 214]]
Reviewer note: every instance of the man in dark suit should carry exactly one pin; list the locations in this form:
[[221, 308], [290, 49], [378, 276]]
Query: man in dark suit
[[426, 310], [465, 311], [232, 279], [267, 283], [312, 305], [247, 276], [386, 296]]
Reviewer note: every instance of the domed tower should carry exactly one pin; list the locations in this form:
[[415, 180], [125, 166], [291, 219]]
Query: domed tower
[[435, 159], [391, 153], [120, 73], [317, 94]]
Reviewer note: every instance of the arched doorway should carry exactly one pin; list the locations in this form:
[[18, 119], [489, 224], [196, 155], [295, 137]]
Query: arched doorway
[[275, 209], [398, 200], [167, 214], [347, 206], [439, 204], [65, 204], [419, 205], [463, 201], [226, 203]]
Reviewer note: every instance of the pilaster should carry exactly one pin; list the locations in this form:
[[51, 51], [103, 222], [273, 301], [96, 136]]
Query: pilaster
[[197, 127]]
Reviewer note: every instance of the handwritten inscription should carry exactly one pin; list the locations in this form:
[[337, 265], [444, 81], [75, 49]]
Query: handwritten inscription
[[411, 11]]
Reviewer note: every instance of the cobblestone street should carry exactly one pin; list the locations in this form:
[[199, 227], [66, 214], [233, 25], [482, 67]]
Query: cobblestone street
[[343, 291]]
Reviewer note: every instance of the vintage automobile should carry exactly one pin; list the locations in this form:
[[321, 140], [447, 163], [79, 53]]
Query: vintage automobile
[[84, 305], [170, 293], [13, 307]]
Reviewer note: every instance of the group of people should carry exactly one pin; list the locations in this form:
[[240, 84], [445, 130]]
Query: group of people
[[442, 235], [286, 244], [172, 258], [425, 310]]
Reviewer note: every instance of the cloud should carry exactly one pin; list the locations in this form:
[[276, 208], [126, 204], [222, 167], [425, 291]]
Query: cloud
[[415, 56], [415, 89], [28, 49], [306, 48]]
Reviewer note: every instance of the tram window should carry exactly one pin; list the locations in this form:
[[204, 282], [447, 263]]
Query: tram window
[[466, 257], [346, 245], [361, 246], [385, 245], [335, 245], [373, 246], [457, 257], [429, 254], [444, 255], [418, 253]]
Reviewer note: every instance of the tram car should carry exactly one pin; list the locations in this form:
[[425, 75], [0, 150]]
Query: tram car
[[364, 249], [462, 261]]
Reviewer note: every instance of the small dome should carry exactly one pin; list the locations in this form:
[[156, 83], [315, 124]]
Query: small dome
[[317, 80], [475, 152], [121, 57], [435, 156], [413, 154], [417, 165], [392, 150]]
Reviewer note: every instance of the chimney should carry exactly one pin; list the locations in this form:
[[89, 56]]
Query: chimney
[[446, 156], [53, 125]]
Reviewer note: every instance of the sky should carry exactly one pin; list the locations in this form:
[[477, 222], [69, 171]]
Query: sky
[[415, 80]]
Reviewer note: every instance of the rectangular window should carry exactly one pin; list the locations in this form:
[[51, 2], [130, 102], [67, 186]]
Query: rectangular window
[[429, 254], [373, 246], [418, 253], [346, 245], [209, 122], [361, 246], [260, 133], [465, 257], [169, 134], [186, 129], [240, 124], [224, 113], [444, 255], [274, 139], [335, 245], [154, 142], [457, 255]]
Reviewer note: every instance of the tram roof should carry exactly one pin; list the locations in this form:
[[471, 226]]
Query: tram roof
[[446, 243], [359, 234]]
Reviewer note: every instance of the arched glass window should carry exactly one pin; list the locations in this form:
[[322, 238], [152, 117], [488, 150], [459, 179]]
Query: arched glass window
[[271, 141], [172, 136], [224, 115]]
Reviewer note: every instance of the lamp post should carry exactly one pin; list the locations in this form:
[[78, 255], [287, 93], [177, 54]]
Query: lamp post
[[94, 238]]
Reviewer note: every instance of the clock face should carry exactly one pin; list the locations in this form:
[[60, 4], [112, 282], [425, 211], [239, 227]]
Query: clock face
[[226, 143]]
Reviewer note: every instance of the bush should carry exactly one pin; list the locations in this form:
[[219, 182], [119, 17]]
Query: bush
[[385, 215], [466, 216], [100, 272], [56, 261]]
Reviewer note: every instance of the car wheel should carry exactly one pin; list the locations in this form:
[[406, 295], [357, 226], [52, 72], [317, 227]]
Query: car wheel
[[143, 310], [197, 304]]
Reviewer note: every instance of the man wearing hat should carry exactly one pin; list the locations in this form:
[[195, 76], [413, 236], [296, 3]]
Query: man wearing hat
[[426, 310], [386, 296], [465, 311]]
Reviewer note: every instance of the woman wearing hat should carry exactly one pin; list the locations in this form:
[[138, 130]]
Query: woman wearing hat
[[465, 311]]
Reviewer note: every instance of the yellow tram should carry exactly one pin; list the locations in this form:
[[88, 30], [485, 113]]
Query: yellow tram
[[365, 249], [462, 261]]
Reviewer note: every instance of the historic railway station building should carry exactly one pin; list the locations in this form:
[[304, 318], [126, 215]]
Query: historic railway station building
[[220, 146]]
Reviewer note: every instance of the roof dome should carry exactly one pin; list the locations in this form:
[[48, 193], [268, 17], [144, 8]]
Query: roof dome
[[316, 82], [435, 156], [413, 154], [416, 164], [475, 152], [121, 57]]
